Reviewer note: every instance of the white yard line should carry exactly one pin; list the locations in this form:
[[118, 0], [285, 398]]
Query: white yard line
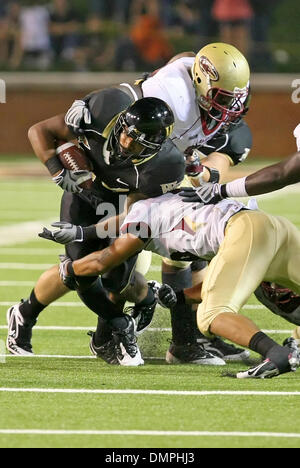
[[158, 329], [47, 432], [86, 391], [21, 232]]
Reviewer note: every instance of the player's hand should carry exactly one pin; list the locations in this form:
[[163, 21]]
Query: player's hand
[[78, 116], [63, 269], [70, 180], [207, 194], [193, 167], [167, 297], [65, 234]]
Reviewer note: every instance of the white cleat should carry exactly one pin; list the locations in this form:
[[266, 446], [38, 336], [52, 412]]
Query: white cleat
[[19, 335]]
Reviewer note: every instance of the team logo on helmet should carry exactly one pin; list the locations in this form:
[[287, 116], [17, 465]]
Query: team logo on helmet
[[208, 68]]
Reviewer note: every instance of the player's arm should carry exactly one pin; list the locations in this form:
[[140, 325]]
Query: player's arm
[[67, 233], [105, 260], [43, 137], [211, 169]]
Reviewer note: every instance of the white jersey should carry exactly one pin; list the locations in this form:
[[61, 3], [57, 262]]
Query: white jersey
[[173, 84], [179, 230]]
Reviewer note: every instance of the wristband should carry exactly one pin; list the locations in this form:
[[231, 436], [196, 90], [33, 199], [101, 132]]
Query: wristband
[[237, 188], [70, 269], [54, 165], [180, 297], [214, 175], [89, 233]]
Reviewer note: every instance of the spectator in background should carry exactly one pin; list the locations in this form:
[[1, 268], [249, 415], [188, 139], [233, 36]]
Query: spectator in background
[[10, 44], [234, 20], [64, 30], [261, 56], [147, 46], [35, 38]]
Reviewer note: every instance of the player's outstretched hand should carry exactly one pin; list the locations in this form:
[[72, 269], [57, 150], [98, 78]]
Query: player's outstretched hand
[[65, 234], [167, 296], [207, 194]]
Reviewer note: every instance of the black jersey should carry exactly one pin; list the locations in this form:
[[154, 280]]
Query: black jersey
[[152, 176], [236, 142]]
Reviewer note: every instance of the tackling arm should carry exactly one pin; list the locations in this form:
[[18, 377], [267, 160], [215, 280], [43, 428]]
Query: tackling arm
[[105, 260], [274, 177]]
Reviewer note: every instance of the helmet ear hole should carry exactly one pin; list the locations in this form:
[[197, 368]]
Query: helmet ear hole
[[198, 80]]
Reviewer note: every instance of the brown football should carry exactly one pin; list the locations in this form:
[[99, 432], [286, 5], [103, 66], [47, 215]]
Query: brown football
[[74, 158]]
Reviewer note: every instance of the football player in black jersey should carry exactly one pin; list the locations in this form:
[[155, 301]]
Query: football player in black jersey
[[128, 146], [211, 89]]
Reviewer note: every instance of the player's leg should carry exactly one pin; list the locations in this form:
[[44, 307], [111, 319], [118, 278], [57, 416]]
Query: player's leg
[[184, 346], [243, 261], [22, 317]]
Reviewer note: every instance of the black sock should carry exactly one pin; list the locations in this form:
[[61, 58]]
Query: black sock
[[269, 349], [182, 316], [103, 332], [95, 298], [31, 308], [261, 343]]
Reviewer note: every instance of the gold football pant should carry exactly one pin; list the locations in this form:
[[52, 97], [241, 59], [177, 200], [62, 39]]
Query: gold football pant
[[257, 247]]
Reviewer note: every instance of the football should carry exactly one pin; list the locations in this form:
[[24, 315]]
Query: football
[[74, 158]]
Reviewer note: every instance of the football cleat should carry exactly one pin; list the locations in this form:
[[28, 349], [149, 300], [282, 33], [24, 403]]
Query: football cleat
[[143, 315], [128, 353], [107, 351], [191, 353], [267, 369], [227, 352], [19, 333]]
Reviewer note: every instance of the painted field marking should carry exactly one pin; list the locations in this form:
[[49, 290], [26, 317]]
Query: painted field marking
[[21, 232], [87, 391], [152, 329], [47, 432]]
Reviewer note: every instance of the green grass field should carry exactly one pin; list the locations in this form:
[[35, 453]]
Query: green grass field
[[65, 398]]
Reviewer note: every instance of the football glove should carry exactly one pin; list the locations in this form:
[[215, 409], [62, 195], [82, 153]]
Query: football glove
[[78, 116], [63, 269], [66, 233], [207, 194], [167, 297], [70, 180]]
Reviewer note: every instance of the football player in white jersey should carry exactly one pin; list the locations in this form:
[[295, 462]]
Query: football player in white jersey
[[244, 247], [208, 94], [282, 301]]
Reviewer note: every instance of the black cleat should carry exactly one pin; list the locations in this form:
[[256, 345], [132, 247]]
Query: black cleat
[[226, 351], [143, 315], [191, 353], [19, 333], [128, 353], [107, 351]]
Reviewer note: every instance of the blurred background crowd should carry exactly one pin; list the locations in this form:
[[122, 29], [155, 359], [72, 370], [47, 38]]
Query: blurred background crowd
[[141, 35]]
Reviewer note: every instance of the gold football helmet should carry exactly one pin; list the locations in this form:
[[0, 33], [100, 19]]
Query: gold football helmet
[[221, 78]]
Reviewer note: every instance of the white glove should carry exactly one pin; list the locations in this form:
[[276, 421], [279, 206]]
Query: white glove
[[297, 136], [77, 116], [70, 180]]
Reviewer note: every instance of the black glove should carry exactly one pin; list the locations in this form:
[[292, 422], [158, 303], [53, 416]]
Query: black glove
[[78, 116], [66, 233], [167, 297], [207, 194]]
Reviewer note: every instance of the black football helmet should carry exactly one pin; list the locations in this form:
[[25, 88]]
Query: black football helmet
[[148, 121]]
